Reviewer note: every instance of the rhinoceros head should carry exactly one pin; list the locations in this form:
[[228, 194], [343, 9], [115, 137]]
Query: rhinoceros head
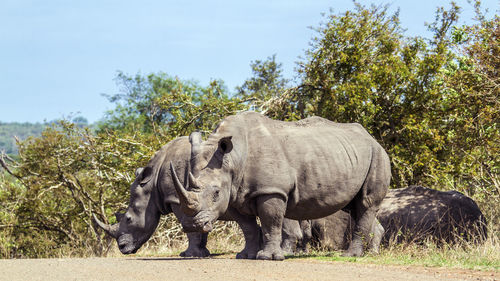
[[206, 193], [138, 223]]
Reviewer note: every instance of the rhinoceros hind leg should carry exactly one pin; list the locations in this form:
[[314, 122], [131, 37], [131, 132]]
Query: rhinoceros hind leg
[[366, 204], [377, 233], [364, 219]]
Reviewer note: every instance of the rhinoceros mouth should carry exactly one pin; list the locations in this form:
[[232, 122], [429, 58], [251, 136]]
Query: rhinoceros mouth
[[202, 222], [127, 244]]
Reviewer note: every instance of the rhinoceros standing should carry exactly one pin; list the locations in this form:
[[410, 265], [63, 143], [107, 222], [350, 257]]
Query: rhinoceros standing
[[412, 214], [152, 194], [272, 169]]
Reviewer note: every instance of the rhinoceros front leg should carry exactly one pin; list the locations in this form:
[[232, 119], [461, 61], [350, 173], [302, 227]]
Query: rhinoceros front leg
[[271, 210], [197, 246], [251, 231]]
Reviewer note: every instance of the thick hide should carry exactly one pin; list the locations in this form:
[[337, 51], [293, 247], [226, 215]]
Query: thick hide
[[298, 170], [412, 214], [152, 194]]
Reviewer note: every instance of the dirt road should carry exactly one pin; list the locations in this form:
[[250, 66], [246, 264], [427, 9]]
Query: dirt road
[[219, 268]]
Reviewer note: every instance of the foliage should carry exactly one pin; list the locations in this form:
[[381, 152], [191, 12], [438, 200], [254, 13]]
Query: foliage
[[69, 173], [167, 107], [266, 83], [435, 112], [470, 109], [433, 104]]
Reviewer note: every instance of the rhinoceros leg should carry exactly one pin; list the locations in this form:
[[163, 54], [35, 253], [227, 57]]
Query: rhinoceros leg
[[271, 210], [361, 233], [306, 229], [197, 245], [376, 237], [251, 231], [291, 235], [366, 203]]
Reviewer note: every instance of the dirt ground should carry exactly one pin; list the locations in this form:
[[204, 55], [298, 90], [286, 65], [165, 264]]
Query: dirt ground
[[220, 268]]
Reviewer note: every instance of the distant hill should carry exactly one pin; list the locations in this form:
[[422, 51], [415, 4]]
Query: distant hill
[[20, 130], [25, 130]]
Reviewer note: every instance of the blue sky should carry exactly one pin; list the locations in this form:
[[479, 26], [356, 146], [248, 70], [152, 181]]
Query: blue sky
[[57, 57]]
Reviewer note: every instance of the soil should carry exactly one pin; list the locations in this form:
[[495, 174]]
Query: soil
[[220, 268]]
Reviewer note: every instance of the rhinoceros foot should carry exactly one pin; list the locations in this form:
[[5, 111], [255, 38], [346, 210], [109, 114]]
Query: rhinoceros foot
[[271, 255], [246, 255], [196, 252], [355, 250]]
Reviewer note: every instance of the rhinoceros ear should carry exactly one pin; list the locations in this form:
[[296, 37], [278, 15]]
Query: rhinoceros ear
[[146, 175], [138, 171], [225, 144]]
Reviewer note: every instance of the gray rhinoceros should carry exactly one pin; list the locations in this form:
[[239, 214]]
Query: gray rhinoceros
[[417, 213], [272, 169], [412, 214], [152, 194]]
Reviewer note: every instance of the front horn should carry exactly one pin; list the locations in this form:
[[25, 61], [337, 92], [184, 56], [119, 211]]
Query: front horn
[[112, 230], [188, 199]]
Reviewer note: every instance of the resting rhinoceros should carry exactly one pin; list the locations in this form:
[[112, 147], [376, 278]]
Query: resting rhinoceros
[[416, 213], [272, 169], [412, 214], [152, 194]]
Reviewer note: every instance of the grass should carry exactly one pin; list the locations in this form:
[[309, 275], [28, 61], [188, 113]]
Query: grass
[[465, 255], [483, 256]]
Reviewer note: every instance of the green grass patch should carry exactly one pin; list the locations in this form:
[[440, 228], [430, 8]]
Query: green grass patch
[[473, 256]]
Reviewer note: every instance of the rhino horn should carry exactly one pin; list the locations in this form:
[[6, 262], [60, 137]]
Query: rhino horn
[[195, 140], [112, 230], [188, 199], [193, 182]]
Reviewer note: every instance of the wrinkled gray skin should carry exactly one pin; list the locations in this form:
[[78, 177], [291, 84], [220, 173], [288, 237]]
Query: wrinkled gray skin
[[412, 214], [420, 213], [152, 194], [299, 170], [334, 232]]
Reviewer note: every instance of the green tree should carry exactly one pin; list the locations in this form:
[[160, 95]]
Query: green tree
[[361, 68], [470, 106], [70, 172], [266, 83], [67, 174], [166, 107]]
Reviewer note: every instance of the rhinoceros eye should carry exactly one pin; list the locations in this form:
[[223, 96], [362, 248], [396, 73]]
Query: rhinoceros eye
[[215, 196]]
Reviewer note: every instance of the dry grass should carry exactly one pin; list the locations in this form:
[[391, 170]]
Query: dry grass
[[169, 239], [474, 255]]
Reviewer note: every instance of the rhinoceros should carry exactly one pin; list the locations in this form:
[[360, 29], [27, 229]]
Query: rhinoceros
[[152, 194], [414, 214], [273, 169]]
